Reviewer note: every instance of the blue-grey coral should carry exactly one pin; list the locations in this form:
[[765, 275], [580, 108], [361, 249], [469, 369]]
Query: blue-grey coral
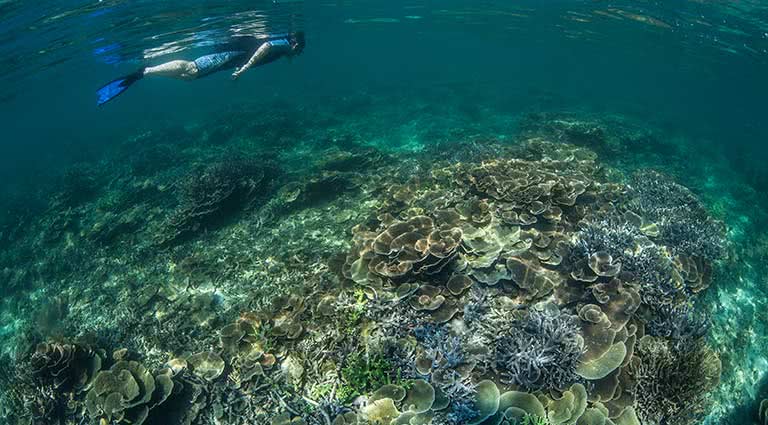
[[461, 393], [653, 271], [476, 307], [685, 226], [626, 244], [540, 351], [678, 322], [431, 335], [445, 349], [607, 234], [447, 353]]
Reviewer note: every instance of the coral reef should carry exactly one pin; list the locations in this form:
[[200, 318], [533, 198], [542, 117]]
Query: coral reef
[[672, 382], [126, 393], [524, 285], [66, 367], [78, 184], [684, 225], [681, 323], [540, 351], [214, 193]]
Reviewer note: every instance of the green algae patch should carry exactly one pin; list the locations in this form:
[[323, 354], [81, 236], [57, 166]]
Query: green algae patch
[[363, 374]]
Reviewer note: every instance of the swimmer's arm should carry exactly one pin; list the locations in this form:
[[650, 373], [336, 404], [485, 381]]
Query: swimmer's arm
[[260, 54]]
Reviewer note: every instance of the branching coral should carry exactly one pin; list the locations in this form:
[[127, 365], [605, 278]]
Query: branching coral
[[681, 323], [610, 245], [540, 351], [672, 382], [609, 234], [78, 184], [462, 408], [654, 272], [444, 349], [24, 400], [476, 307], [447, 366], [684, 224], [214, 193]]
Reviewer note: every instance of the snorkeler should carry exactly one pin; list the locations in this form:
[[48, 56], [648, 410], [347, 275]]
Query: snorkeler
[[241, 55]]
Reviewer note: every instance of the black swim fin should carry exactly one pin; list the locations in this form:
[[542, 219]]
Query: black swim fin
[[115, 87]]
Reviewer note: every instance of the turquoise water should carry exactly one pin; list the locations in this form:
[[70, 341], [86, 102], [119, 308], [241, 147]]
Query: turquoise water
[[223, 241]]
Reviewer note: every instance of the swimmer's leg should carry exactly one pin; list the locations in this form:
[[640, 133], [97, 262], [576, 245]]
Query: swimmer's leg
[[181, 69]]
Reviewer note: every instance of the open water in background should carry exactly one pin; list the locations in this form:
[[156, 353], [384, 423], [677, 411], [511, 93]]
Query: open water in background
[[698, 68]]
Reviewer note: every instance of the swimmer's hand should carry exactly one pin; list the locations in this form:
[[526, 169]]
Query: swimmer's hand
[[257, 58]]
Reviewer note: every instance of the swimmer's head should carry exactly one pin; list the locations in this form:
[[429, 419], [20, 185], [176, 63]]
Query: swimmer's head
[[297, 42]]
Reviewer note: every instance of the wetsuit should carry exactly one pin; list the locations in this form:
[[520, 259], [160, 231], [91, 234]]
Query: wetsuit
[[227, 56], [237, 53]]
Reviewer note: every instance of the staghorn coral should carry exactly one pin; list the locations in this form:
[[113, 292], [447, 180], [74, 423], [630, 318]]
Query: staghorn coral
[[611, 245], [447, 366], [24, 400], [653, 270], [462, 407], [680, 323], [627, 246], [540, 351], [685, 226], [672, 382], [78, 184], [215, 193], [476, 306], [610, 235]]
